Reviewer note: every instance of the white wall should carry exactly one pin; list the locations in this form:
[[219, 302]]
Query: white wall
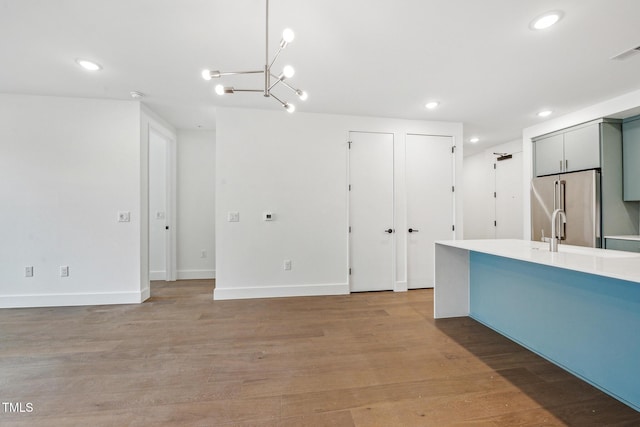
[[608, 108], [481, 180], [196, 204], [296, 167], [67, 166]]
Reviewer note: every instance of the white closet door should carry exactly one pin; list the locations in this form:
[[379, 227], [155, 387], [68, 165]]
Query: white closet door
[[508, 198], [429, 203], [371, 211]]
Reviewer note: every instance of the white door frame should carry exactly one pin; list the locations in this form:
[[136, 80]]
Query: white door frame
[[393, 215], [171, 186]]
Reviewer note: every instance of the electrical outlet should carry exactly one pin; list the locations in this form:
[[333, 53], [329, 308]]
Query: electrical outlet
[[233, 216], [28, 271], [64, 271], [287, 264]]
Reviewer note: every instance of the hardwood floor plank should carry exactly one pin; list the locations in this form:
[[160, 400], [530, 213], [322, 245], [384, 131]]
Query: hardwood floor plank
[[340, 399]]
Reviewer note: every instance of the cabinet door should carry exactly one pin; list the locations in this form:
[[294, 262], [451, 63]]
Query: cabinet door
[[631, 160], [549, 155], [623, 245], [582, 148]]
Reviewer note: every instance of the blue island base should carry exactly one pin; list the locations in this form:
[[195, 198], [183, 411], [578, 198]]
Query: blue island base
[[584, 323]]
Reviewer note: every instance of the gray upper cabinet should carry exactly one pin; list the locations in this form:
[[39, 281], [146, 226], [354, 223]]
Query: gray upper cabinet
[[569, 150], [582, 148], [631, 159], [549, 155]]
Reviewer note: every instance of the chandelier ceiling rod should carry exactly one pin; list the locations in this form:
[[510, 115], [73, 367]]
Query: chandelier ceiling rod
[[287, 72], [267, 78]]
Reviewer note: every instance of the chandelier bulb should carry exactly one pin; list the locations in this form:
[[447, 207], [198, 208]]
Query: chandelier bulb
[[288, 35], [206, 74], [288, 71], [302, 95], [220, 89], [289, 107]]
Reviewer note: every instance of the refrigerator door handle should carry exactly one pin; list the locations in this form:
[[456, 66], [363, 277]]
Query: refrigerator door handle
[[563, 185], [556, 192]]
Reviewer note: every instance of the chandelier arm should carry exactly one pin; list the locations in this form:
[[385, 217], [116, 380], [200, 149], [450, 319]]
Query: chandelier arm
[[274, 85], [274, 59], [232, 73], [284, 104], [286, 84], [247, 90]]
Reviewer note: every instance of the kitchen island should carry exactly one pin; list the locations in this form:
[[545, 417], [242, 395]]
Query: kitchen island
[[578, 307]]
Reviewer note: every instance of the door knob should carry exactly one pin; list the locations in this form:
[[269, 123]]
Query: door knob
[[413, 230], [390, 230]]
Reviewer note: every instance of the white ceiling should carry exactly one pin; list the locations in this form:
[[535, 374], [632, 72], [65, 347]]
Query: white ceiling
[[362, 57]]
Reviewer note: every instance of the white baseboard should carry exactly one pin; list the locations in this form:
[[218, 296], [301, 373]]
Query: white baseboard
[[400, 287], [281, 291], [145, 294], [425, 284], [64, 300], [157, 275], [196, 274]]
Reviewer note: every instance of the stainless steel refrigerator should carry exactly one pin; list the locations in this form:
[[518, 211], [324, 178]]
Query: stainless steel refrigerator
[[578, 194]]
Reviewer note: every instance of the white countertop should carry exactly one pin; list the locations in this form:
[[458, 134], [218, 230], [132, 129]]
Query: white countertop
[[603, 262], [627, 237]]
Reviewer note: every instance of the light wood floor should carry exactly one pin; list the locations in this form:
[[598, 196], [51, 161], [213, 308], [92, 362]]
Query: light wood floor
[[370, 359]]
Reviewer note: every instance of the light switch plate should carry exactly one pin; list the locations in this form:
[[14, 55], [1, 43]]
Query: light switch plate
[[124, 216], [233, 216]]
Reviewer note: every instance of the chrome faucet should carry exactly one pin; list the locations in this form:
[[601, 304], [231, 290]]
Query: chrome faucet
[[553, 243]]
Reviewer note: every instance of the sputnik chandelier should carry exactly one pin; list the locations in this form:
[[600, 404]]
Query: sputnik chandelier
[[287, 72]]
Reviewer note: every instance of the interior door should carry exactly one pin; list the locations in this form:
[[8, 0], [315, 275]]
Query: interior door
[[371, 211], [508, 199], [430, 217], [158, 149]]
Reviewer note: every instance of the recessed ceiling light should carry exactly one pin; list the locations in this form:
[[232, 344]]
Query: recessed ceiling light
[[88, 65], [545, 113], [545, 20], [432, 105], [136, 95], [474, 140]]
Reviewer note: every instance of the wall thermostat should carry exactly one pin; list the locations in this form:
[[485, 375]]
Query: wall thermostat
[[267, 216]]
